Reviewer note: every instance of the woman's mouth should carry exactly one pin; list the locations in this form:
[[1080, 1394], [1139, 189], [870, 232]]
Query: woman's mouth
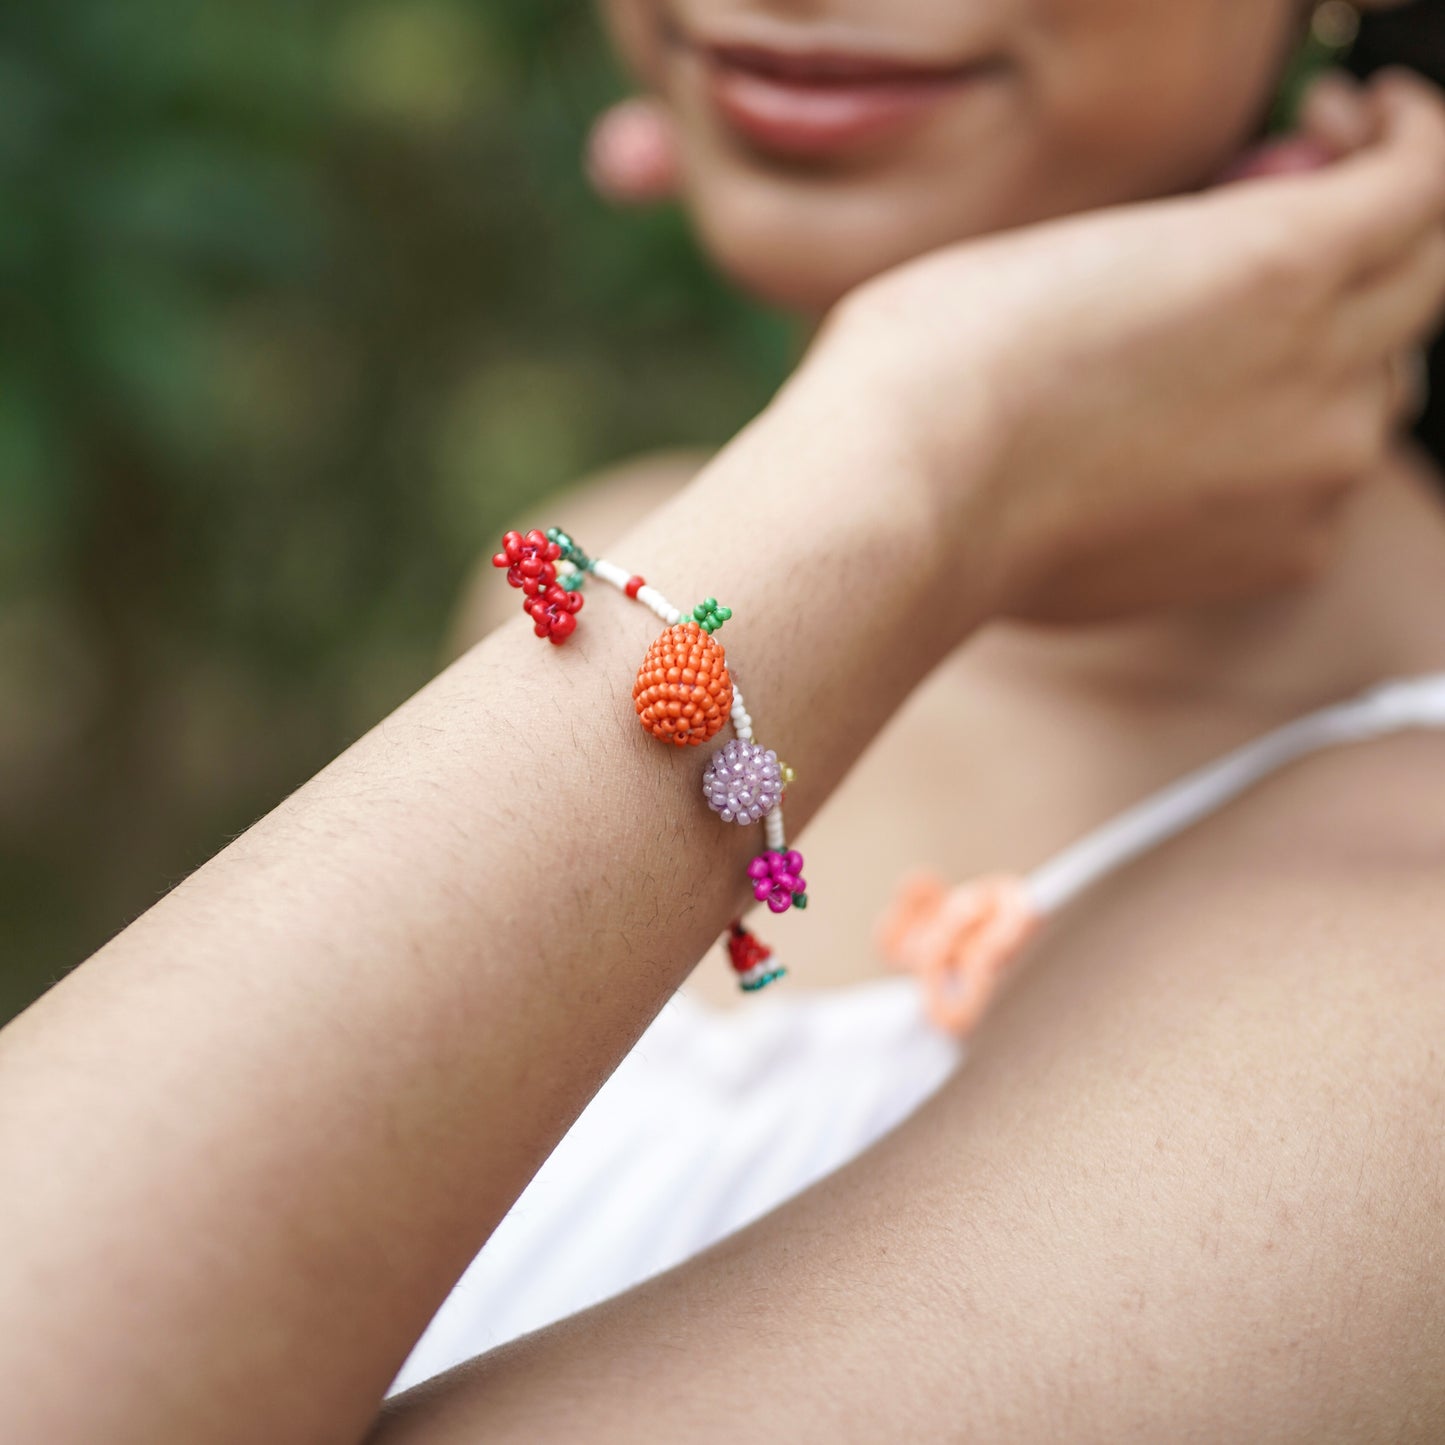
[[818, 103]]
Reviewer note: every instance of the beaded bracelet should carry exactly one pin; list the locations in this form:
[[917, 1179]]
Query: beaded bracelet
[[684, 695]]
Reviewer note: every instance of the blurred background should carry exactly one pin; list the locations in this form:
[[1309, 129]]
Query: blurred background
[[301, 303]]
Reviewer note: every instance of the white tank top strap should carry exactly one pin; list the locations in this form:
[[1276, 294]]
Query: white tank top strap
[[962, 941], [1391, 707]]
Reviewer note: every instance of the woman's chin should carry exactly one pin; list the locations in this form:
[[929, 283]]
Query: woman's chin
[[804, 252], [801, 237], [786, 280]]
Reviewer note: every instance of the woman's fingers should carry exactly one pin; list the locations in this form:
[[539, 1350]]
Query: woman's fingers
[[1404, 176], [1380, 201], [1396, 309], [1336, 119], [1338, 115]]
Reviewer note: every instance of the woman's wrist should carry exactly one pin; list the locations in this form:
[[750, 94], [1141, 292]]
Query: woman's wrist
[[930, 509]]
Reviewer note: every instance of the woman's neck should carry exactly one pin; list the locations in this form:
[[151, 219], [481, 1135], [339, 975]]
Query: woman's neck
[[1374, 613]]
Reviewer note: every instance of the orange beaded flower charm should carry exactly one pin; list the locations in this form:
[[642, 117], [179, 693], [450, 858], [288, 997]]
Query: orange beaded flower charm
[[683, 693]]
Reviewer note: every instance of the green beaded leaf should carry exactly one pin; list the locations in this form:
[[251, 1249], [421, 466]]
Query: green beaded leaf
[[571, 552], [709, 615]]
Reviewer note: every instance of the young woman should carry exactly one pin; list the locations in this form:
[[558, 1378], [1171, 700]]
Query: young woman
[[1188, 1184]]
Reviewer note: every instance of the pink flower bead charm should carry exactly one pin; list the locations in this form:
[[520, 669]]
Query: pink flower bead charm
[[778, 880]]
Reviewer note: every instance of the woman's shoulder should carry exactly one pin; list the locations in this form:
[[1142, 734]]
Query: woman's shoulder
[[1326, 875]]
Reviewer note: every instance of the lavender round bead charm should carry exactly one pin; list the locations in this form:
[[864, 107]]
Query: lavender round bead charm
[[743, 782]]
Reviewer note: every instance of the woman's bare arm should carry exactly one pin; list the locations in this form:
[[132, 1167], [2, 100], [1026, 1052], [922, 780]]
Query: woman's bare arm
[[249, 1145]]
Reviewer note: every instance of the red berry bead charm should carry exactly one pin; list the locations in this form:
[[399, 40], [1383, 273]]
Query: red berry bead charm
[[531, 561], [554, 613]]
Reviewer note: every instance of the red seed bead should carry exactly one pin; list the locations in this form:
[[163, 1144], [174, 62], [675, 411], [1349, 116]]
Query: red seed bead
[[746, 950], [683, 693], [554, 613], [529, 561], [634, 586]]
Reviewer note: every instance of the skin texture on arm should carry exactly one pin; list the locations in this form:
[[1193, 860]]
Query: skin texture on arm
[[330, 1060]]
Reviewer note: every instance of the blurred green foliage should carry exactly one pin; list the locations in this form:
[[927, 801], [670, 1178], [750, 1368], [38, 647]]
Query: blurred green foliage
[[300, 305]]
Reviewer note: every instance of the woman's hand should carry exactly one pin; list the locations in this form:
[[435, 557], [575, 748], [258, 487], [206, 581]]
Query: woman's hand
[[1178, 393]]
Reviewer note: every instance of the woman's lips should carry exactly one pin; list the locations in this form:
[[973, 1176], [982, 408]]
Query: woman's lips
[[818, 104]]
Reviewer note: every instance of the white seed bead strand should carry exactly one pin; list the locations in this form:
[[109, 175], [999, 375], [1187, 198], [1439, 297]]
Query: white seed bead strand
[[742, 723], [654, 601], [610, 572]]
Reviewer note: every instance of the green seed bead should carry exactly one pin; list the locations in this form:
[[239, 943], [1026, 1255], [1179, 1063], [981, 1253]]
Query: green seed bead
[[570, 550], [709, 616]]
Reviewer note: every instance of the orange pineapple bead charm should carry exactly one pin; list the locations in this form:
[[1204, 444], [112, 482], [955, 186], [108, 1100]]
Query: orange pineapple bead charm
[[683, 693]]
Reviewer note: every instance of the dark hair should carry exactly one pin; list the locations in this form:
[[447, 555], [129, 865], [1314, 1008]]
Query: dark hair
[[1412, 36]]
